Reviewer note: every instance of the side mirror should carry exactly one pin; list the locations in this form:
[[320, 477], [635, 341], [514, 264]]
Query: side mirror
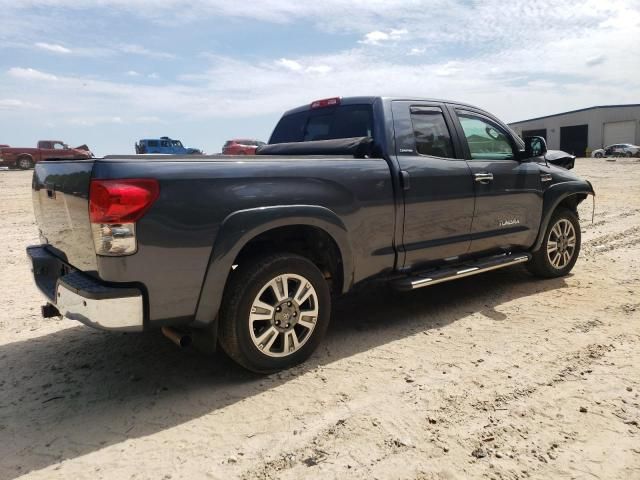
[[534, 146]]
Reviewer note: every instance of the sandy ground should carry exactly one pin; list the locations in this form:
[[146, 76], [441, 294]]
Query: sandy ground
[[501, 376]]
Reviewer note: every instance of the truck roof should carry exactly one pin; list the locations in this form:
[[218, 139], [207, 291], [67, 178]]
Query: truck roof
[[372, 99]]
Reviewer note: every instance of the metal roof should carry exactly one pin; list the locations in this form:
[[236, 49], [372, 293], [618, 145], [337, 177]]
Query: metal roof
[[576, 111]]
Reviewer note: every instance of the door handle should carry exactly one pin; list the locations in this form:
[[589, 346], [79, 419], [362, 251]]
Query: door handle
[[483, 178], [405, 179]]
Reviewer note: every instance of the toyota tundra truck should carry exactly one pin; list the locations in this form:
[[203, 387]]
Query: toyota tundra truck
[[248, 254]]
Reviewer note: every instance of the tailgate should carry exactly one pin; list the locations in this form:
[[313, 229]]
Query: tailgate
[[61, 207]]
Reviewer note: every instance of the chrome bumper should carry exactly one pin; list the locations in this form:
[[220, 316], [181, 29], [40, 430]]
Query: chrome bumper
[[81, 297]]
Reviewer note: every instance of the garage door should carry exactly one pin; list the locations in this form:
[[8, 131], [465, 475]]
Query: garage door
[[620, 132]]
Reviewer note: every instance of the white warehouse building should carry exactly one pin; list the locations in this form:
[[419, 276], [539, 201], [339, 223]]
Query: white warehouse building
[[582, 131]]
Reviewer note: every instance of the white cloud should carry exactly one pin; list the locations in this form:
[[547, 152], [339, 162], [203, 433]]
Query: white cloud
[[30, 74], [448, 69], [153, 76], [52, 47], [321, 69], [596, 59], [289, 64], [133, 73], [416, 52], [96, 120], [474, 52], [377, 37], [15, 104], [140, 50]]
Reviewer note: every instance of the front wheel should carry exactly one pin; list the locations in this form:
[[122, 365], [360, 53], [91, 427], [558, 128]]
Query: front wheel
[[560, 246], [275, 312], [598, 155]]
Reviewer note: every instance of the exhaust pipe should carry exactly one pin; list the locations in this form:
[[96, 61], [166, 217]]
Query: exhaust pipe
[[183, 340]]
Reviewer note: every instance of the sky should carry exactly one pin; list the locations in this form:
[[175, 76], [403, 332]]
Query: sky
[[109, 72]]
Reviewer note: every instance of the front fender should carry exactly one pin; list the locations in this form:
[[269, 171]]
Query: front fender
[[554, 196], [240, 227]]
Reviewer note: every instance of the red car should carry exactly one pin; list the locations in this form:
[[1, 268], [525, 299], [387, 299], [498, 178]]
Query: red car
[[241, 147], [25, 158]]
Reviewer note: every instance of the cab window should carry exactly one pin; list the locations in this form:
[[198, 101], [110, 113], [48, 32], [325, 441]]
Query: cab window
[[486, 140]]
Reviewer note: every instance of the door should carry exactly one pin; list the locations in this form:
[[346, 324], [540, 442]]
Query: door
[[55, 150], [620, 132], [508, 190], [437, 184], [574, 139]]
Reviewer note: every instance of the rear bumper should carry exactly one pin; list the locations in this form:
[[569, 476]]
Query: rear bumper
[[81, 297]]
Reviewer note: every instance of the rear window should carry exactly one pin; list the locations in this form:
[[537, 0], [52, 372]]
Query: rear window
[[344, 121]]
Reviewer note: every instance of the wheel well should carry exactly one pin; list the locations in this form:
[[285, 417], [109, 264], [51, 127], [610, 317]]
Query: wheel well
[[571, 202], [311, 242]]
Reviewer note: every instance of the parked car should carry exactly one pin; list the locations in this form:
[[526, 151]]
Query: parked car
[[27, 157], [411, 192], [241, 147], [164, 145], [617, 150]]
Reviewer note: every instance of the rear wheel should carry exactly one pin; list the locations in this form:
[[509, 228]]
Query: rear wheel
[[560, 247], [24, 163], [274, 313]]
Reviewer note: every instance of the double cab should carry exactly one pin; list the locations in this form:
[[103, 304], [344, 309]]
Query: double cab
[[249, 254]]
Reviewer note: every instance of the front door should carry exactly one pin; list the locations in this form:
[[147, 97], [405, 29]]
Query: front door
[[508, 189], [437, 184]]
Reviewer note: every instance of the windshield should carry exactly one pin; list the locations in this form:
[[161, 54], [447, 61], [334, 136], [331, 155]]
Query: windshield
[[176, 143], [344, 121]]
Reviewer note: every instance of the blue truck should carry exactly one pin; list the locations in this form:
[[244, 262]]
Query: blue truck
[[164, 146], [249, 254]]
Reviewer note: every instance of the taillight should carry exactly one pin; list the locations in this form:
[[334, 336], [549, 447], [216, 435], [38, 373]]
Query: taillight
[[114, 207], [327, 102]]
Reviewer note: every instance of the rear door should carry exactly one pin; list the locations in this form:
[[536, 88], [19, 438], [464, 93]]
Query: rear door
[[437, 182], [508, 190]]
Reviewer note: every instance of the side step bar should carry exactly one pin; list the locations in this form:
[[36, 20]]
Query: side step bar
[[445, 274]]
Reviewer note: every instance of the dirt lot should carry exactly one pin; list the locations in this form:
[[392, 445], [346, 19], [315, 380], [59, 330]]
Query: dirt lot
[[501, 376]]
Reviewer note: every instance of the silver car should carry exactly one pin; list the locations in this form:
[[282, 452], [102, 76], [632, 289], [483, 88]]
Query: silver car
[[617, 150]]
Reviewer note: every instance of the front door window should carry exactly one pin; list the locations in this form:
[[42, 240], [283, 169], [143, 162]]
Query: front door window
[[486, 141]]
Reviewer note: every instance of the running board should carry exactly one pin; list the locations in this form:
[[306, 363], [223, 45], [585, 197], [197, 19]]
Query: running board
[[445, 274]]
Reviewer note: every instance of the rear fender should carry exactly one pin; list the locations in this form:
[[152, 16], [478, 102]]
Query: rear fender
[[239, 228], [554, 196]]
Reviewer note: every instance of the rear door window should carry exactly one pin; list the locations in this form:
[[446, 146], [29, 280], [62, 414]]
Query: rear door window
[[431, 132], [152, 143]]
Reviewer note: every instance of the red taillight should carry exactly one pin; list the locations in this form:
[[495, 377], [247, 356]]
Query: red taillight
[[121, 201], [327, 102]]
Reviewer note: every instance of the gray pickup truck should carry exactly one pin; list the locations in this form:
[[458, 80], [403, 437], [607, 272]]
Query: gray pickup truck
[[247, 253]]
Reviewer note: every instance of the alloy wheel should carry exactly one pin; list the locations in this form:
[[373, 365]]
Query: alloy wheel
[[283, 315], [561, 245]]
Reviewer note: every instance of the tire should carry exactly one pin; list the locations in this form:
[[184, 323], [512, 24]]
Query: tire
[[24, 163], [629, 154], [598, 155], [260, 339], [563, 234]]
